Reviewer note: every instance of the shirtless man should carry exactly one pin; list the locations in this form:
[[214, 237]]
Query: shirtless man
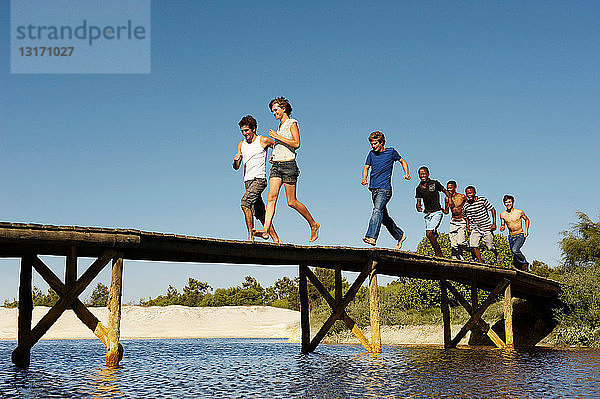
[[458, 224], [513, 218], [252, 151]]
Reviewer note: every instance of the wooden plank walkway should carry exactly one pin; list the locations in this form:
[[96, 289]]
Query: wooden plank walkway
[[27, 241]]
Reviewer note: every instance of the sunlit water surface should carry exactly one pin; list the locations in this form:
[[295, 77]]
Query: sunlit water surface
[[225, 368]]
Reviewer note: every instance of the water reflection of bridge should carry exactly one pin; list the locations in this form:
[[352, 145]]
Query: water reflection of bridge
[[27, 241]]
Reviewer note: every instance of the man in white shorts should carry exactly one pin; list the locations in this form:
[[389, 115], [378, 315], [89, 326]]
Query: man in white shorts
[[479, 224], [458, 225], [252, 151]]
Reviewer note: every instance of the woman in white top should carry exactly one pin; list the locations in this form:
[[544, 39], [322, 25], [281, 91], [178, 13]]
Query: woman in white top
[[284, 169]]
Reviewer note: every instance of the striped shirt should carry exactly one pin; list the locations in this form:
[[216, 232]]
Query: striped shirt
[[477, 214]]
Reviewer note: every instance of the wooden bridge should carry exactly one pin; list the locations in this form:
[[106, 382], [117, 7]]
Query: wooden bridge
[[27, 241]]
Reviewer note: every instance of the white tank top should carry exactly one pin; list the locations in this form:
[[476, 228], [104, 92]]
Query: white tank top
[[254, 157], [282, 151]]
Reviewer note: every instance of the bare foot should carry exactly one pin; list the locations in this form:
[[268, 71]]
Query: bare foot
[[401, 241], [250, 236], [261, 233], [278, 241], [314, 232], [369, 240]]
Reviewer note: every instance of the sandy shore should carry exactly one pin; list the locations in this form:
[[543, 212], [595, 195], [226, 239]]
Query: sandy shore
[[211, 322], [169, 322]]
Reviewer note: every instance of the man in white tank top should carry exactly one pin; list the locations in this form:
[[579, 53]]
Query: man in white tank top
[[252, 152]]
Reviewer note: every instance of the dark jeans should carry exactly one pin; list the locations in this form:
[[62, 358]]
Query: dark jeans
[[516, 242], [380, 215]]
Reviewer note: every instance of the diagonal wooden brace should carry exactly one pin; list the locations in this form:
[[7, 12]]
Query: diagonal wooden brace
[[333, 304], [340, 307], [476, 317], [69, 297], [80, 310], [484, 326]]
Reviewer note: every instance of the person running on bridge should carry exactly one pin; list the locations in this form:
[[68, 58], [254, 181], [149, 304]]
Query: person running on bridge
[[479, 224], [429, 190], [513, 218], [252, 152], [381, 162], [458, 226], [285, 170]]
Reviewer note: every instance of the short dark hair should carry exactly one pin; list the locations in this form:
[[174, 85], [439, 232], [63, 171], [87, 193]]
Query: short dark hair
[[471, 187], [425, 168], [283, 103], [508, 197], [249, 121], [452, 182], [377, 135]]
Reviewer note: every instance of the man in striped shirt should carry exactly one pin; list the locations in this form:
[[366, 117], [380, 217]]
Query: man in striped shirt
[[479, 224]]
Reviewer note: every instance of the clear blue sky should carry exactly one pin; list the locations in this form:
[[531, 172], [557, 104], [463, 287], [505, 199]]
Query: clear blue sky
[[500, 95]]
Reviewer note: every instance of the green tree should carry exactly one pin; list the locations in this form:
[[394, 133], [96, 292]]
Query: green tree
[[99, 296], [41, 299], [579, 319], [194, 292], [284, 294], [581, 244]]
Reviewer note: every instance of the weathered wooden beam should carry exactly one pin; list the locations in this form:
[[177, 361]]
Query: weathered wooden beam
[[340, 307], [508, 318], [338, 284], [445, 307], [22, 354], [67, 299], [80, 310], [482, 323], [474, 298], [71, 268], [479, 312], [374, 310], [333, 303], [304, 311], [114, 313]]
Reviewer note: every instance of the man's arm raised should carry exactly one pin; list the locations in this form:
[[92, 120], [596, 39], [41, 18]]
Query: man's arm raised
[[266, 142]]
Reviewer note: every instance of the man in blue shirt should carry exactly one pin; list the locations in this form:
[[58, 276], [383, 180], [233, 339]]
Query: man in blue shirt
[[381, 162]]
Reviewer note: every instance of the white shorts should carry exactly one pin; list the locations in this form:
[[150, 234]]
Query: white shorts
[[458, 233], [478, 235]]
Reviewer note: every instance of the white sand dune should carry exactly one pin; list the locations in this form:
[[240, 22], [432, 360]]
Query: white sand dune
[[169, 322], [210, 322]]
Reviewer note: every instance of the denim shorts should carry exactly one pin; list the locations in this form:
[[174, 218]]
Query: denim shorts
[[285, 170], [433, 220]]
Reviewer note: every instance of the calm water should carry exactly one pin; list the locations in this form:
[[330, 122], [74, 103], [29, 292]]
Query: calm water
[[225, 368]]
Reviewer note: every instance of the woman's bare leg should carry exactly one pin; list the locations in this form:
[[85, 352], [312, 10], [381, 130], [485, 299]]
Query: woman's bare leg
[[290, 193], [274, 186]]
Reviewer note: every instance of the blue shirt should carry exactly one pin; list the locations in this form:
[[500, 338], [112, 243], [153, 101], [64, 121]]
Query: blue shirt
[[381, 164]]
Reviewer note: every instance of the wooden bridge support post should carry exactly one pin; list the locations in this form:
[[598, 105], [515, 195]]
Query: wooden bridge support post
[[304, 311], [445, 313], [508, 317], [71, 269], [114, 313], [22, 354], [374, 310]]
